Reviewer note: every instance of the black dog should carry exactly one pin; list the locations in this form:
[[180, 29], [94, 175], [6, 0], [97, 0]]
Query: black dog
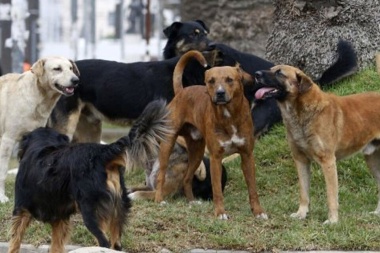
[[185, 36], [56, 179]]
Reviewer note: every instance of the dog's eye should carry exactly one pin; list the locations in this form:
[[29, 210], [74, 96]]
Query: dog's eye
[[278, 73], [57, 69], [211, 81], [196, 33], [229, 80]]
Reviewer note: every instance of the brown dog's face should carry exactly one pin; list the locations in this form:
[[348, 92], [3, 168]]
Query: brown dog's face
[[223, 83], [281, 82]]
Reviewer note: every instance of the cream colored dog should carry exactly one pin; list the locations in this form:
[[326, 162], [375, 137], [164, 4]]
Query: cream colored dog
[[26, 101]]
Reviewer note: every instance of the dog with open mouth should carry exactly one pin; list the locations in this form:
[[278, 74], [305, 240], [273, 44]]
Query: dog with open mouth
[[27, 101], [323, 128]]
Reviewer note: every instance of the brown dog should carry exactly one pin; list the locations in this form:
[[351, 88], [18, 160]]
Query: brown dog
[[217, 116], [322, 127]]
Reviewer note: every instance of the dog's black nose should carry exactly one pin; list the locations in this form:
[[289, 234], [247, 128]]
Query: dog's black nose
[[75, 81], [258, 74], [220, 93]]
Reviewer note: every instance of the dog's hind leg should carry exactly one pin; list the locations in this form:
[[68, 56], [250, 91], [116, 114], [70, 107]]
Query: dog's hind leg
[[116, 227], [166, 148], [373, 162], [61, 233], [95, 225], [19, 224], [196, 150], [6, 148]]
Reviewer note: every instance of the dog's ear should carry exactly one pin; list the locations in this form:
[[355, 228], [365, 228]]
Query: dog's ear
[[171, 30], [213, 57], [304, 82], [203, 25], [38, 67], [246, 78], [75, 68]]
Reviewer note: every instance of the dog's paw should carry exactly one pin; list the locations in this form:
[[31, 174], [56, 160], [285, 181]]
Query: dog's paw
[[223, 216], [3, 198], [376, 212], [298, 215], [330, 221], [133, 196], [195, 202], [263, 216], [163, 203]]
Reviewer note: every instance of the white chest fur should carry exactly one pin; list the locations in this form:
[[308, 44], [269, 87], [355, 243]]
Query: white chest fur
[[235, 141]]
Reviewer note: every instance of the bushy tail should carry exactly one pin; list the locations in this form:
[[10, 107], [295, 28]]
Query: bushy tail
[[180, 67], [142, 142], [345, 65]]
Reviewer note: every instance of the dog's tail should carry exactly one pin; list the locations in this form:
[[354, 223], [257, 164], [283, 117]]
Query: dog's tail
[[345, 65], [180, 67], [142, 142]]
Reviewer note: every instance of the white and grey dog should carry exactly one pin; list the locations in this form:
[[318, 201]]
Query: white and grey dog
[[26, 102]]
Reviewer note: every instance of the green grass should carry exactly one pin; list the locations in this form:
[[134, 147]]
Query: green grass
[[178, 226]]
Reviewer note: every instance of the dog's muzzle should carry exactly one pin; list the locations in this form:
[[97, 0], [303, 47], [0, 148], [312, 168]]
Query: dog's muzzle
[[220, 97]]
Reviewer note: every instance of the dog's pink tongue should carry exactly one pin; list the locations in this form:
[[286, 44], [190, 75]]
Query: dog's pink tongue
[[69, 90], [261, 92]]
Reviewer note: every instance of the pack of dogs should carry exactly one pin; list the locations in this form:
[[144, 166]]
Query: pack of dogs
[[204, 101]]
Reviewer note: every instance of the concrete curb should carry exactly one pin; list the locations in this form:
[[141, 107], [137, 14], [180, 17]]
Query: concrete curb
[[28, 248]]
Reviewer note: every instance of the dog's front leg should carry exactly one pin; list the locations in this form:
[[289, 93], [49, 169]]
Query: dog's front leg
[[303, 170], [331, 178], [217, 194], [249, 172], [6, 148]]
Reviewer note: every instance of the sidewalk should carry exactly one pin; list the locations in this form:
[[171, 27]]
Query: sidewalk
[[27, 248]]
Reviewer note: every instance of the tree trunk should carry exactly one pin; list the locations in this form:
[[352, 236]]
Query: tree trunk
[[243, 24], [196, 9], [305, 33]]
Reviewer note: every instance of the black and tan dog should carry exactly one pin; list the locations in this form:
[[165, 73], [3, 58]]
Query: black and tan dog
[[323, 127], [56, 179], [217, 116], [185, 36], [176, 171]]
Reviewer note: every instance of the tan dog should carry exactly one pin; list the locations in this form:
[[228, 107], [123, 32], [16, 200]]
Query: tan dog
[[217, 116], [323, 127], [26, 102]]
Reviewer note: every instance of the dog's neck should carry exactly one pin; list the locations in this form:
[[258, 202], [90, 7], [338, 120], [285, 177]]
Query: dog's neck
[[44, 99], [296, 107]]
